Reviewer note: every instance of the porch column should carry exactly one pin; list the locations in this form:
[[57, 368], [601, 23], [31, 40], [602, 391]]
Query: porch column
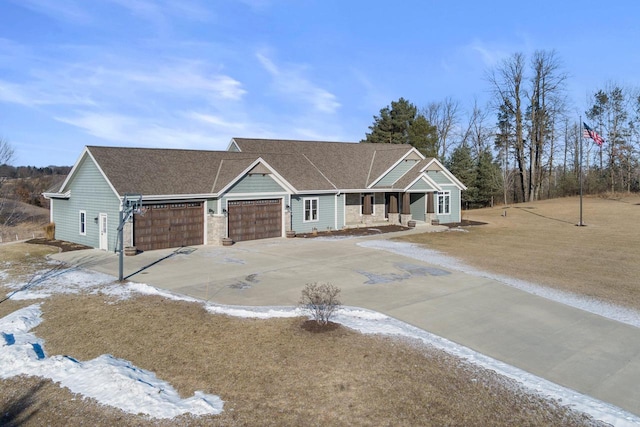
[[393, 203], [406, 203], [394, 216], [405, 216]]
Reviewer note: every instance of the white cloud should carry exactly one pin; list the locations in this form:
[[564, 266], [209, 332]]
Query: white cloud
[[490, 56], [291, 83]]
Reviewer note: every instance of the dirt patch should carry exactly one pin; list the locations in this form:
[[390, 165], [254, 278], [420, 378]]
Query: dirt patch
[[360, 231], [315, 327], [464, 223], [61, 244]]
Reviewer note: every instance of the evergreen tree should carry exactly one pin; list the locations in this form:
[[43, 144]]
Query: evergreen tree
[[488, 178], [400, 123], [463, 166]]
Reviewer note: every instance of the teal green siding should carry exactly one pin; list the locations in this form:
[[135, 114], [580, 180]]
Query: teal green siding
[[439, 177], [326, 213], [233, 147], [395, 173], [421, 185], [418, 206], [256, 183], [89, 192], [454, 215]]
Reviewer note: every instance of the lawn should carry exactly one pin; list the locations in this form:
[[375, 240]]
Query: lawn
[[540, 242], [268, 372]]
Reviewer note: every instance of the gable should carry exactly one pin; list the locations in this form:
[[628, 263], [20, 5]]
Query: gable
[[256, 183], [396, 173], [422, 185]]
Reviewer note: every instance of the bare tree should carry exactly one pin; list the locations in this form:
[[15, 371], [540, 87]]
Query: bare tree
[[506, 82], [546, 102], [6, 157], [444, 115]]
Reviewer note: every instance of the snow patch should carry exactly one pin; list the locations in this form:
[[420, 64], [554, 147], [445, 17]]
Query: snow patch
[[109, 380]]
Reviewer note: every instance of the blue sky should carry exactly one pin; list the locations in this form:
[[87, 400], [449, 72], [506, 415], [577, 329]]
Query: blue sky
[[195, 73]]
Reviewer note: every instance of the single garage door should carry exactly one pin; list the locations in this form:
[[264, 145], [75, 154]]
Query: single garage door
[[254, 219], [169, 225]]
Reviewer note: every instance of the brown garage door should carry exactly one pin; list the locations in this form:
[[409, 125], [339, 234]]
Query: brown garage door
[[169, 225], [254, 219]]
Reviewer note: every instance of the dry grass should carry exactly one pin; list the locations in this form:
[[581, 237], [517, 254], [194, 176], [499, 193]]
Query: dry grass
[[268, 372], [541, 243]]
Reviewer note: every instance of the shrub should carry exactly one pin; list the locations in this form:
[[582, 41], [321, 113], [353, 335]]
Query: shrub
[[320, 300]]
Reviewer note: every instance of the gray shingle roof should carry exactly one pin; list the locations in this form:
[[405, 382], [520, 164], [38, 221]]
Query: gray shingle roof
[[306, 165], [346, 165]]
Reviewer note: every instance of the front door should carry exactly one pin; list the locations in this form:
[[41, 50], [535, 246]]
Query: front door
[[104, 234]]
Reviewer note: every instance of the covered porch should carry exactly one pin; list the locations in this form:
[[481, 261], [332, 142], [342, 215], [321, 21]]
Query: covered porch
[[386, 208]]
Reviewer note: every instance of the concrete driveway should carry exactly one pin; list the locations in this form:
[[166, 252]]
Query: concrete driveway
[[585, 352]]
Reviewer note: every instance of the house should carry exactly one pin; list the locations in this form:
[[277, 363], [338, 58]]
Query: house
[[258, 188]]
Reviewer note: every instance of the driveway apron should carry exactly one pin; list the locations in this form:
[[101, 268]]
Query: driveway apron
[[585, 352]]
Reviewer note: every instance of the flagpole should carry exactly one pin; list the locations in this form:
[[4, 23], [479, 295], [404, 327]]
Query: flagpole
[[580, 224]]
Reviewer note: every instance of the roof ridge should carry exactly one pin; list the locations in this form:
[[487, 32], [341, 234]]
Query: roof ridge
[[318, 169], [373, 158]]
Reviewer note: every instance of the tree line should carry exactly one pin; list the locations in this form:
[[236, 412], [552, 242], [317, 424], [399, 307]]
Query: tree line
[[524, 145]]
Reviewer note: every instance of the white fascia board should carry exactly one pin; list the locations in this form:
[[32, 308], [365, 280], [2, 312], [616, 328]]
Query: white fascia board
[[425, 178], [368, 190], [255, 195], [158, 197], [413, 150], [280, 180], [64, 195], [448, 174]]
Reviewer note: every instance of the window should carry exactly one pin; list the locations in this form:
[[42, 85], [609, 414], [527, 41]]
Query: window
[[310, 210], [367, 204], [444, 202], [83, 223]]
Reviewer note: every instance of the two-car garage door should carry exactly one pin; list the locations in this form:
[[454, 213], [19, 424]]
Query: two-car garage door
[[254, 219], [169, 225]]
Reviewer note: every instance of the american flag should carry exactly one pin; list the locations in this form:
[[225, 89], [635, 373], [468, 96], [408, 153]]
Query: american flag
[[590, 133]]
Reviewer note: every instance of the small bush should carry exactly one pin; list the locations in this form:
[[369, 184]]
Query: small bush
[[321, 301], [50, 231]]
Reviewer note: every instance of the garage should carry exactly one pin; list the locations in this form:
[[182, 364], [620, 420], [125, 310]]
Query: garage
[[254, 219], [169, 225]]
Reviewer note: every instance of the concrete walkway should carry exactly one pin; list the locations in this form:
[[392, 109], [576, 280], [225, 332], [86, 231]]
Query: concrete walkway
[[585, 352]]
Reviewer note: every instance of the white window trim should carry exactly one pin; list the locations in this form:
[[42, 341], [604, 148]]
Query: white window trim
[[82, 224], [304, 209], [373, 203], [444, 194]]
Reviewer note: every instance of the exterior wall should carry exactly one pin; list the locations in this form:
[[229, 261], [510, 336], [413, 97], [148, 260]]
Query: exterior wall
[[454, 215], [395, 173], [326, 213], [256, 183], [340, 211], [353, 210], [421, 185], [438, 177], [89, 192], [418, 206]]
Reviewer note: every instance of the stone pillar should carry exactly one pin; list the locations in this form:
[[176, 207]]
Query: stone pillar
[[215, 229]]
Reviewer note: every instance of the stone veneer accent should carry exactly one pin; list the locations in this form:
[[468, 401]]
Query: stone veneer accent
[[216, 229]]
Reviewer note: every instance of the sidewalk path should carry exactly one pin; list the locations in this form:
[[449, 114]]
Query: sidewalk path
[[591, 354]]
